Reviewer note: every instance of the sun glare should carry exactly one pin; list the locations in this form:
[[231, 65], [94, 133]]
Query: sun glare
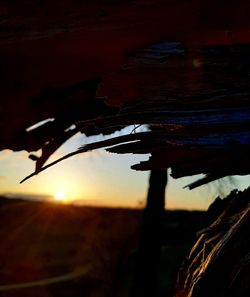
[[60, 195]]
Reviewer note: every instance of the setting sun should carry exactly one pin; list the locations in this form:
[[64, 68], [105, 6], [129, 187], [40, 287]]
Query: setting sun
[[60, 195]]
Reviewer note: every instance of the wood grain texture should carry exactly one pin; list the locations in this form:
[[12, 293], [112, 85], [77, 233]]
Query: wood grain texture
[[183, 66]]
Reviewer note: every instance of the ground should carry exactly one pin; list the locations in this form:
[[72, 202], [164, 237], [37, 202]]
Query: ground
[[53, 250]]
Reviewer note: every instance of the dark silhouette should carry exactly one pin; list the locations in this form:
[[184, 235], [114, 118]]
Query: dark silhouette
[[196, 88], [218, 264], [145, 282]]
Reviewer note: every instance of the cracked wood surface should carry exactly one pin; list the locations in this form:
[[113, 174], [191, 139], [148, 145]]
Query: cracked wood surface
[[181, 65]]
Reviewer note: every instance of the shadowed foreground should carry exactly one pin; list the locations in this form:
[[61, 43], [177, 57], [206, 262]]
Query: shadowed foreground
[[58, 250], [218, 264]]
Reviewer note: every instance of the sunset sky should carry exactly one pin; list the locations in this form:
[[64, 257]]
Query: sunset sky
[[100, 178]]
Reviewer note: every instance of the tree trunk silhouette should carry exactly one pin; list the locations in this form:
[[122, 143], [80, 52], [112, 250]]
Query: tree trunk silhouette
[[145, 279]]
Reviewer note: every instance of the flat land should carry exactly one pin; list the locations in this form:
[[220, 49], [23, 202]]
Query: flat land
[[53, 250]]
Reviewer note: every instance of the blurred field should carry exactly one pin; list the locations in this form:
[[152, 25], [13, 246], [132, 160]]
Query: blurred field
[[53, 250]]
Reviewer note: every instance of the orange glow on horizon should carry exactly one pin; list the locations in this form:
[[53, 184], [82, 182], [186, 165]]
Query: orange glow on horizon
[[60, 195]]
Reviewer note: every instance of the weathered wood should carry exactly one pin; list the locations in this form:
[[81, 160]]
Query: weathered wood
[[70, 61], [47, 48]]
